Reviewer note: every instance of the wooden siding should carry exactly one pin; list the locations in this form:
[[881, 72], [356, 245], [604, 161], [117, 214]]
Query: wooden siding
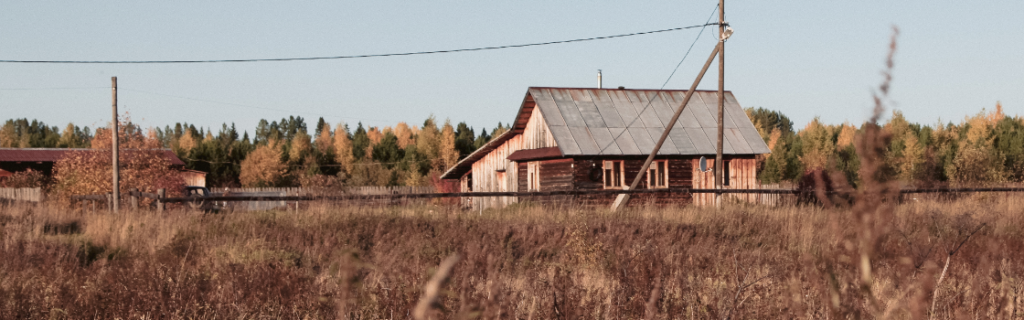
[[537, 135], [742, 175], [485, 171], [522, 167], [194, 178]]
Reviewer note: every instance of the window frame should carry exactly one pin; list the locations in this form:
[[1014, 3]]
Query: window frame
[[726, 172], [654, 172], [610, 179]]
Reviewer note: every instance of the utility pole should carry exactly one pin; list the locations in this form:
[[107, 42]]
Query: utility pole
[[622, 199], [719, 164], [114, 199]]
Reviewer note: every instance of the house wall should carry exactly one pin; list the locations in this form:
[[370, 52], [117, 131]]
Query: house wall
[[742, 175], [485, 171], [679, 175]]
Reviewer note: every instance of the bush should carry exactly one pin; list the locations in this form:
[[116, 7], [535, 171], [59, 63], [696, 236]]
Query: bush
[[26, 179], [142, 165]]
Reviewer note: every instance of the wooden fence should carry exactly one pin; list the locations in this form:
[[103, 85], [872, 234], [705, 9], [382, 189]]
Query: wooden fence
[[366, 190], [22, 194], [280, 195]]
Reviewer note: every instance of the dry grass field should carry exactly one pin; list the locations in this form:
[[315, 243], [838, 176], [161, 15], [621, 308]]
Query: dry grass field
[[523, 262]]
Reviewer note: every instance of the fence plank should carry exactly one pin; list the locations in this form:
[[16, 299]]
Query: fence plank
[[22, 194]]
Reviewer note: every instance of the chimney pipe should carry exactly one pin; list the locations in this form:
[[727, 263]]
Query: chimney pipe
[[599, 84]]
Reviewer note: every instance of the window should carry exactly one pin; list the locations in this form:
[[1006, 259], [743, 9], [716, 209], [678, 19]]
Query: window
[[657, 175], [613, 174], [725, 173], [533, 176]]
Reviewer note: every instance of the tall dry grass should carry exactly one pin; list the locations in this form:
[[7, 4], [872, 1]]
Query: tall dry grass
[[526, 262]]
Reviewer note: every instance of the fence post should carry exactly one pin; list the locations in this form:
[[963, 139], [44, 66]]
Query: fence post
[[134, 193], [160, 199], [110, 202]]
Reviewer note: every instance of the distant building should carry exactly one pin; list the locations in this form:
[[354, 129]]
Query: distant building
[[42, 159], [566, 139]]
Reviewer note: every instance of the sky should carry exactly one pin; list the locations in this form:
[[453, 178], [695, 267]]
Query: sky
[[804, 58]]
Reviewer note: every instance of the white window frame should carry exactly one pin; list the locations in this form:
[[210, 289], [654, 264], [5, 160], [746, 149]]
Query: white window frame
[[533, 176], [657, 175], [612, 179]]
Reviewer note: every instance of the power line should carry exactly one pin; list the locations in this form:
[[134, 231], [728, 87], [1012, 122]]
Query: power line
[[650, 100], [708, 23], [361, 55]]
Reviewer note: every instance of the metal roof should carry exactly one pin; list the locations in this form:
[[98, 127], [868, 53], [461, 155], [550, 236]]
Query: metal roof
[[613, 122], [591, 122], [54, 154]]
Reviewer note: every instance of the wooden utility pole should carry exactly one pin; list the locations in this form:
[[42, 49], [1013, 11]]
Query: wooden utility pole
[[622, 199], [113, 147], [719, 164]]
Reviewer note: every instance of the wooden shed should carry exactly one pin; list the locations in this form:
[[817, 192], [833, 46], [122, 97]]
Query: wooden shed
[[597, 139]]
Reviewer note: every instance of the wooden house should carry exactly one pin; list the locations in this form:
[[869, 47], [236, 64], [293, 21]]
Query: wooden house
[[567, 139]]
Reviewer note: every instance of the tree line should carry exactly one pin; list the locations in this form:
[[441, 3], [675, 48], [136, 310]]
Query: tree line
[[287, 152], [987, 147], [984, 148]]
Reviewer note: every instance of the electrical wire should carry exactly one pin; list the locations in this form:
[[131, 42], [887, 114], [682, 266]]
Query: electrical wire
[[706, 24], [361, 55], [663, 85]]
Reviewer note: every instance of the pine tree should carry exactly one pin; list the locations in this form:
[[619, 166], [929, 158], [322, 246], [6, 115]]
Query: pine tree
[[360, 142], [464, 137]]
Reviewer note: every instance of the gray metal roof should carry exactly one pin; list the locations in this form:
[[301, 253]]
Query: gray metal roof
[[587, 122], [629, 122]]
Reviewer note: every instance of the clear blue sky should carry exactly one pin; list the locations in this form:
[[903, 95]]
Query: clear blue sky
[[804, 58]]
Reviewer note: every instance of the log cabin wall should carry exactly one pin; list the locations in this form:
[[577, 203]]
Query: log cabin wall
[[680, 175], [486, 177], [555, 175]]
